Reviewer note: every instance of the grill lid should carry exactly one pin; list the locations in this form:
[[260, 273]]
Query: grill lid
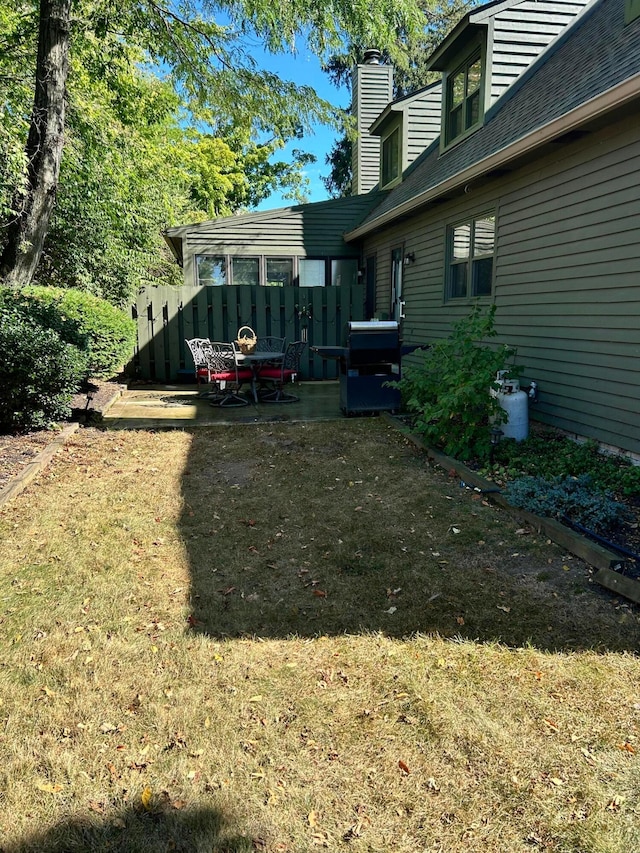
[[373, 326]]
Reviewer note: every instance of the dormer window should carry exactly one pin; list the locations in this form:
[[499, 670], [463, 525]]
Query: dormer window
[[464, 98], [391, 158]]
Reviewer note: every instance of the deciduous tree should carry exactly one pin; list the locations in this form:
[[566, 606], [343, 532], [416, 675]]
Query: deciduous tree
[[200, 47]]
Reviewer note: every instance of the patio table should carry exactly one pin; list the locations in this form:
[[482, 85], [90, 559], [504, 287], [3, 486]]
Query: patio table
[[255, 361]]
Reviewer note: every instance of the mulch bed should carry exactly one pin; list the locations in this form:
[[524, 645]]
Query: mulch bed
[[18, 450]]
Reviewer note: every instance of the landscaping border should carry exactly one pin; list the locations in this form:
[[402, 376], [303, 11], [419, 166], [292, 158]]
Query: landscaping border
[[595, 555], [38, 463]]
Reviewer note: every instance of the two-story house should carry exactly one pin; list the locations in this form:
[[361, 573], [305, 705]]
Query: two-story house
[[514, 180]]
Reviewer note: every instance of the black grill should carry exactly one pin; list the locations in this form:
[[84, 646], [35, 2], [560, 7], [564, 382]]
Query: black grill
[[371, 357]]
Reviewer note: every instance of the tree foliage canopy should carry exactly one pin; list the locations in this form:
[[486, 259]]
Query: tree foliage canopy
[[168, 118]]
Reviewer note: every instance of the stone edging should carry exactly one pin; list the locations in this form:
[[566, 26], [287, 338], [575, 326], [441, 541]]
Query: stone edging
[[38, 463], [592, 553]]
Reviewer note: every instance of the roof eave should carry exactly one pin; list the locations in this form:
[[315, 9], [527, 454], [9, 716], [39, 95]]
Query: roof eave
[[599, 105], [451, 46], [174, 242], [382, 119]]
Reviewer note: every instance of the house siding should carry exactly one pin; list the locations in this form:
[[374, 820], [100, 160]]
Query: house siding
[[308, 230], [521, 33], [423, 121], [372, 90], [567, 269]]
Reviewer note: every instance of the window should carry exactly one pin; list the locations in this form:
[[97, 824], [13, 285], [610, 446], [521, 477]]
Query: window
[[470, 257], [211, 270], [344, 272], [390, 158], [245, 270], [464, 98], [279, 272], [312, 272]]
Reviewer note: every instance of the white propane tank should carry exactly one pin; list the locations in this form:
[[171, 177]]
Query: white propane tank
[[515, 404]]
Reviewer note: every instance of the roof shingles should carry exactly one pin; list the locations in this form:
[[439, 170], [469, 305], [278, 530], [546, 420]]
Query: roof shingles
[[594, 54]]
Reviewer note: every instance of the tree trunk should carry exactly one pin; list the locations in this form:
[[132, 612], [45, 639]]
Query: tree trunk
[[33, 204]]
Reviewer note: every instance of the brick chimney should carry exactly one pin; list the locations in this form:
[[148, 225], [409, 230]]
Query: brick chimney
[[371, 91]]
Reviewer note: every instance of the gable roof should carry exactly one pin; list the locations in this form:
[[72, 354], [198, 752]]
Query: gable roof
[[588, 71], [402, 103], [472, 21]]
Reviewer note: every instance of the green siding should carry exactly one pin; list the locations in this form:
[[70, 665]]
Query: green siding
[[372, 88], [309, 230], [567, 279]]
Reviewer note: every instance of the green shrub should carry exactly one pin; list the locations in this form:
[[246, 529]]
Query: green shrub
[[572, 497], [78, 316], [43, 312], [449, 389], [40, 372]]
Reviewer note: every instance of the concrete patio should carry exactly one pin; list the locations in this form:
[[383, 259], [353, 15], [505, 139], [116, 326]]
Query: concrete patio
[[166, 406]]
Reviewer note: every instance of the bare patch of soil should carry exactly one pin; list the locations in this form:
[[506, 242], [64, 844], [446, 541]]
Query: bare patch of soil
[[16, 451]]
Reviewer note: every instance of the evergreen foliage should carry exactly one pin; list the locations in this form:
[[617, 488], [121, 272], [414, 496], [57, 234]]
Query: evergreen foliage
[[40, 372]]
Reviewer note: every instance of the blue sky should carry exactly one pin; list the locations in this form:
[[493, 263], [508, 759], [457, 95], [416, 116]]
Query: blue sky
[[304, 69]]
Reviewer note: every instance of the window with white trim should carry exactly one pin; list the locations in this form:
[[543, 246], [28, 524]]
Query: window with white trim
[[470, 250]]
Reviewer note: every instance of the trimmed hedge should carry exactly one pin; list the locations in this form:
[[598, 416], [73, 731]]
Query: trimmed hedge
[[40, 372], [81, 319]]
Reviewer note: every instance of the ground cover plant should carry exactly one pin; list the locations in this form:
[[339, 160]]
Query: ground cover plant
[[551, 474], [297, 637]]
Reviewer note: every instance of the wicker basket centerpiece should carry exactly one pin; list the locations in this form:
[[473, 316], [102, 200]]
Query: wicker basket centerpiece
[[247, 340]]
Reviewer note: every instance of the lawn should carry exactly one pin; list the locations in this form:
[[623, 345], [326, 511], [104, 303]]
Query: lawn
[[296, 637]]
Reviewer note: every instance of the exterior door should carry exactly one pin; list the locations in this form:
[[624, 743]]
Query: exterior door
[[397, 303]]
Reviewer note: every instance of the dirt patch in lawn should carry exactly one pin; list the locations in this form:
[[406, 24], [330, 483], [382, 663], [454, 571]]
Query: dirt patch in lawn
[[16, 451]]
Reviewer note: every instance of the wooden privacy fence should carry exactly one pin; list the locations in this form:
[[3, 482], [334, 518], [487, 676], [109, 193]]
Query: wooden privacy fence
[[165, 316]]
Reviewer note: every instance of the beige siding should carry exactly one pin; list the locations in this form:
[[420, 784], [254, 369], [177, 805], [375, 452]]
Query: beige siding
[[567, 279]]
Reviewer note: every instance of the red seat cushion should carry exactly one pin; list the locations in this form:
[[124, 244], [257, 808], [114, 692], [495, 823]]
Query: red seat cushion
[[224, 376], [244, 375]]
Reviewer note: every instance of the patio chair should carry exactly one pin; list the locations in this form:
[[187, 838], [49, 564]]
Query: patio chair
[[226, 374], [270, 343], [200, 349], [283, 373]]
